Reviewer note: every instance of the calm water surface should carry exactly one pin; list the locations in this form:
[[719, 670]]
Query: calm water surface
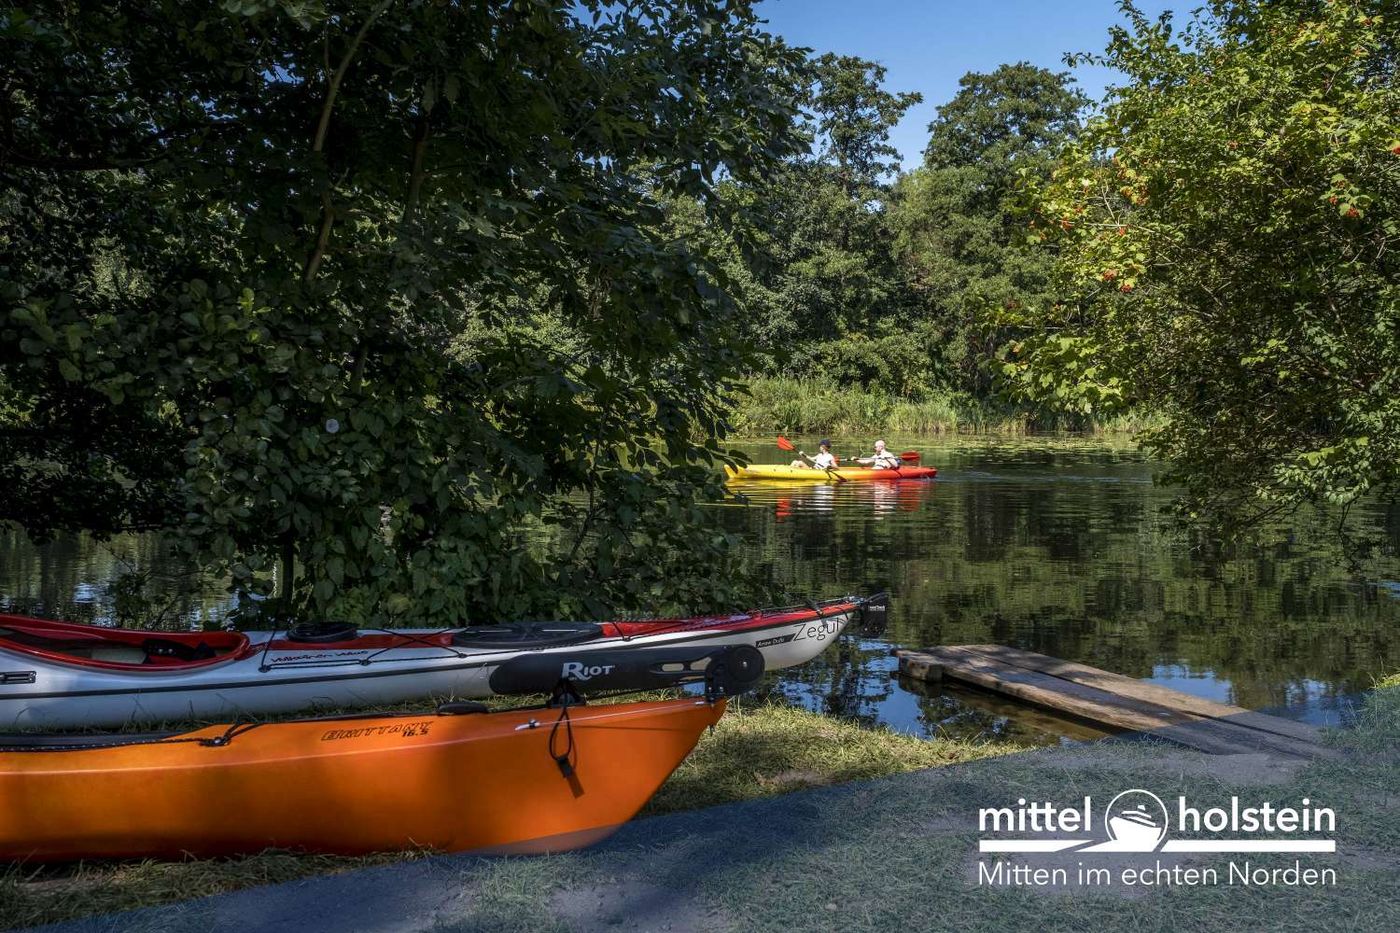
[[1055, 546], [1062, 547]]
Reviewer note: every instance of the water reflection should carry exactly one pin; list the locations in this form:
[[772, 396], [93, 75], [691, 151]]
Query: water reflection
[[877, 499], [74, 578], [1054, 547], [1064, 549]]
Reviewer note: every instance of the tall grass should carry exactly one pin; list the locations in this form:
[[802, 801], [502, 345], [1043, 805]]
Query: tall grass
[[805, 406]]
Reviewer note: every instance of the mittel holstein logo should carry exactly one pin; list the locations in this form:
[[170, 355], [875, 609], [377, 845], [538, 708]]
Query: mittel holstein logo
[[1139, 821]]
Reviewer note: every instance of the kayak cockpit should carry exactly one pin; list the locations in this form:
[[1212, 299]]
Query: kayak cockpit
[[116, 648]]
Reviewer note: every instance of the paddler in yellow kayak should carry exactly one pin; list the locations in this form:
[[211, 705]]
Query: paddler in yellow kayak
[[882, 459], [824, 460]]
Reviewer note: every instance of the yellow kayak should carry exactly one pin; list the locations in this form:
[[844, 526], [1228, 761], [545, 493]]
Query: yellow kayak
[[783, 473]]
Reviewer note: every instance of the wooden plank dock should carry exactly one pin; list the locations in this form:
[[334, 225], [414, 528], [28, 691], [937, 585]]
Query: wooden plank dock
[[1115, 701]]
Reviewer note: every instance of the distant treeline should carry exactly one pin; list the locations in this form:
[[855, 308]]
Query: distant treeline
[[859, 280]]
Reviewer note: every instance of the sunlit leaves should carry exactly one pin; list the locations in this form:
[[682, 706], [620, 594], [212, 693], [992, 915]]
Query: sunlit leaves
[[955, 220], [1229, 251]]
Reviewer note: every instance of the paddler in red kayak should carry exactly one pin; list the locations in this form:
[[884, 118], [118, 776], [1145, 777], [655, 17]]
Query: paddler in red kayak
[[881, 460], [824, 460]]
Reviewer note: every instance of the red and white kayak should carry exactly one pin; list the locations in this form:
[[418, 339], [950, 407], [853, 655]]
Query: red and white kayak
[[56, 675]]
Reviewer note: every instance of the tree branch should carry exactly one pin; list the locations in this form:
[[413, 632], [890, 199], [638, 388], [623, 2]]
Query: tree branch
[[333, 81], [318, 143], [415, 171]]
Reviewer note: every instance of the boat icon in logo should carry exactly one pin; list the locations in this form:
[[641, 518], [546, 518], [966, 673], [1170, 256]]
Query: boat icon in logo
[[1136, 821]]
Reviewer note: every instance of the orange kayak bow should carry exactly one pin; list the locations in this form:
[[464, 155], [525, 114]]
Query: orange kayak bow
[[530, 780]]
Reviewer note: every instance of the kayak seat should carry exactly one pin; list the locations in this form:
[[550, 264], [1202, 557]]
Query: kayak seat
[[100, 646], [526, 635]]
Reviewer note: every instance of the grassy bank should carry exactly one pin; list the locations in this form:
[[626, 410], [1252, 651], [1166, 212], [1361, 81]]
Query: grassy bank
[[759, 751], [903, 852], [801, 406], [756, 751]]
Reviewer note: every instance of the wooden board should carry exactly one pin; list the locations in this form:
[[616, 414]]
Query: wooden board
[[920, 667], [1154, 693], [1103, 703]]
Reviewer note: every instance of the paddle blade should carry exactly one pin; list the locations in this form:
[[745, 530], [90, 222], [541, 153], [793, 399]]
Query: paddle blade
[[911, 456], [784, 443]]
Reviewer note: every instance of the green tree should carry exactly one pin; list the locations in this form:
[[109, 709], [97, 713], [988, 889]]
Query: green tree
[[956, 221], [811, 254], [1229, 238], [852, 115], [379, 292]]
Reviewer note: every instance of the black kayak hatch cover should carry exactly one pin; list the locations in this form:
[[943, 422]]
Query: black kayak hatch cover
[[526, 635]]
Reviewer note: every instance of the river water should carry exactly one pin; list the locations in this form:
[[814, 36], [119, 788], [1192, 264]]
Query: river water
[[1052, 545], [1063, 547]]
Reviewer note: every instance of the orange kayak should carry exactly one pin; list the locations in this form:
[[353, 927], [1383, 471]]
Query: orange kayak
[[523, 781]]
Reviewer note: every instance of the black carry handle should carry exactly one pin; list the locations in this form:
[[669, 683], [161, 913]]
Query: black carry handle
[[726, 671], [873, 614]]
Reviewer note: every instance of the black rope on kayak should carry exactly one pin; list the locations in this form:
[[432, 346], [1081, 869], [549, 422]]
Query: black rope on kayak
[[425, 639], [263, 666], [566, 767], [234, 730], [90, 746], [102, 741], [681, 625], [409, 639]]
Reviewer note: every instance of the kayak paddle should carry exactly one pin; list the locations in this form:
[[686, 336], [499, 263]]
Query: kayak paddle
[[785, 444]]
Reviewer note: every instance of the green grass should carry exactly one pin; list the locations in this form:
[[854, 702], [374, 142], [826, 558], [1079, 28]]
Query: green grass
[[759, 751], [756, 750], [899, 854], [865, 857], [806, 406]]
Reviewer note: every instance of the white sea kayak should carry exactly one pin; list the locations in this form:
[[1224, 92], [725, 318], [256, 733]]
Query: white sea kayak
[[63, 674]]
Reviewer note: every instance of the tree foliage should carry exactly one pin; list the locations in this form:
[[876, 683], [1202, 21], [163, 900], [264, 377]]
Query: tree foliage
[[380, 290], [812, 259], [956, 220], [1229, 238]]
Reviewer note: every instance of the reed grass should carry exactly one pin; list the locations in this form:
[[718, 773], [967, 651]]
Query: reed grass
[[780, 404]]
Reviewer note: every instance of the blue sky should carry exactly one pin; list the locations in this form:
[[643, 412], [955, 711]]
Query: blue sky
[[927, 45]]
